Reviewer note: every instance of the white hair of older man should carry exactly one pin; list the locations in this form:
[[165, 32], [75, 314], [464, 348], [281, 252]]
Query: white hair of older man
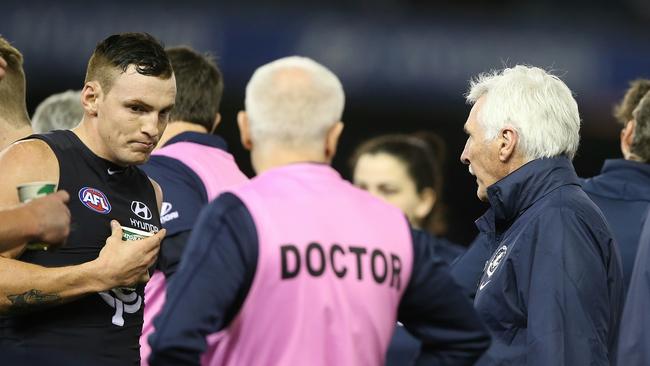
[[538, 105], [61, 111], [293, 101]]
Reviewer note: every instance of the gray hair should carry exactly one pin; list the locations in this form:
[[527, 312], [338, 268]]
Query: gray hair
[[61, 111], [641, 141], [293, 101], [538, 105]]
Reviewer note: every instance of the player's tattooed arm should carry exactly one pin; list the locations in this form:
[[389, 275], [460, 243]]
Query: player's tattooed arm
[[31, 300]]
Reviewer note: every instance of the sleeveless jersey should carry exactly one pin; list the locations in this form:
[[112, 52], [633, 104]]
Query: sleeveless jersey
[[107, 325], [217, 171], [333, 263]]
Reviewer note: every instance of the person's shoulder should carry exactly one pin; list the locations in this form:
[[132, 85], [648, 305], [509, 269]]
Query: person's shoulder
[[568, 198], [570, 206], [166, 169], [30, 154], [227, 202], [569, 212], [29, 147], [23, 162]]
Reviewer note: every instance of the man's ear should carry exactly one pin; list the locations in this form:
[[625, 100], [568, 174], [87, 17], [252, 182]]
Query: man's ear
[[332, 140], [244, 130], [216, 122], [90, 95], [627, 137], [508, 139]]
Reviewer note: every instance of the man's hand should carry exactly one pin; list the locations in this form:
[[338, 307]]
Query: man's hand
[[124, 263], [51, 217]]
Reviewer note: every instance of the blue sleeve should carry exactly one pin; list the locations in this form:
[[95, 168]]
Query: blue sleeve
[[215, 274], [436, 311], [468, 268], [171, 251], [448, 250], [634, 340], [568, 292]]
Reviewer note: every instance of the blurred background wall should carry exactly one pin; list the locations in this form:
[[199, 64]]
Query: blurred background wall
[[405, 65]]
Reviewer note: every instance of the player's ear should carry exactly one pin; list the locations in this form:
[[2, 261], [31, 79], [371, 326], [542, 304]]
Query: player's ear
[[90, 95], [244, 130]]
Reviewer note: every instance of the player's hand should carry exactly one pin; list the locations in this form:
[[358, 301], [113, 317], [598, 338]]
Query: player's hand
[[124, 263], [51, 216]]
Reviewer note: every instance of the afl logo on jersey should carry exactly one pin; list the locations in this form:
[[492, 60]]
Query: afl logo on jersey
[[95, 200], [141, 210]]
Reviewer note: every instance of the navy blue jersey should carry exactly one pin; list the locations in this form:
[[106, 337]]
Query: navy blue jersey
[[104, 327], [622, 191], [224, 246], [552, 291]]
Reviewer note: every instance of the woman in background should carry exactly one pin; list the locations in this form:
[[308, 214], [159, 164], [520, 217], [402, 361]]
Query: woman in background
[[406, 171]]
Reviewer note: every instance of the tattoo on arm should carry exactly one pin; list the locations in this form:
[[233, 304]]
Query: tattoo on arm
[[32, 300]]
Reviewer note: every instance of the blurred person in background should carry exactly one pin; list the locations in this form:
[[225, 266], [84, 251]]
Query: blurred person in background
[[299, 267], [634, 339], [622, 190], [127, 95], [61, 111], [47, 218], [14, 120], [407, 172], [192, 166], [552, 291]]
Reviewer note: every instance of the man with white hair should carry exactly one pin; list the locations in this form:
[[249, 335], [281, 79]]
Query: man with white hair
[[60, 111], [299, 267], [552, 292]]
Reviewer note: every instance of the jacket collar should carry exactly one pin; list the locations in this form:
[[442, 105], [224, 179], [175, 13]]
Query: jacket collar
[[514, 193], [621, 178]]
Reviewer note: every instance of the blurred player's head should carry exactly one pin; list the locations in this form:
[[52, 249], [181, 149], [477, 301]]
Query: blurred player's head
[[623, 110], [639, 147], [633, 128], [13, 109], [293, 104], [128, 96], [61, 111], [199, 87], [519, 114]]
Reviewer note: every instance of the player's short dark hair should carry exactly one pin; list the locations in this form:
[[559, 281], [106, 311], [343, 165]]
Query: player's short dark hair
[[119, 51], [199, 87]]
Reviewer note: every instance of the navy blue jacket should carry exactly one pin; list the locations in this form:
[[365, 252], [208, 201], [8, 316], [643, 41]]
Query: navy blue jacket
[[224, 246], [552, 291], [184, 196], [634, 340], [404, 347], [622, 191], [468, 268]]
